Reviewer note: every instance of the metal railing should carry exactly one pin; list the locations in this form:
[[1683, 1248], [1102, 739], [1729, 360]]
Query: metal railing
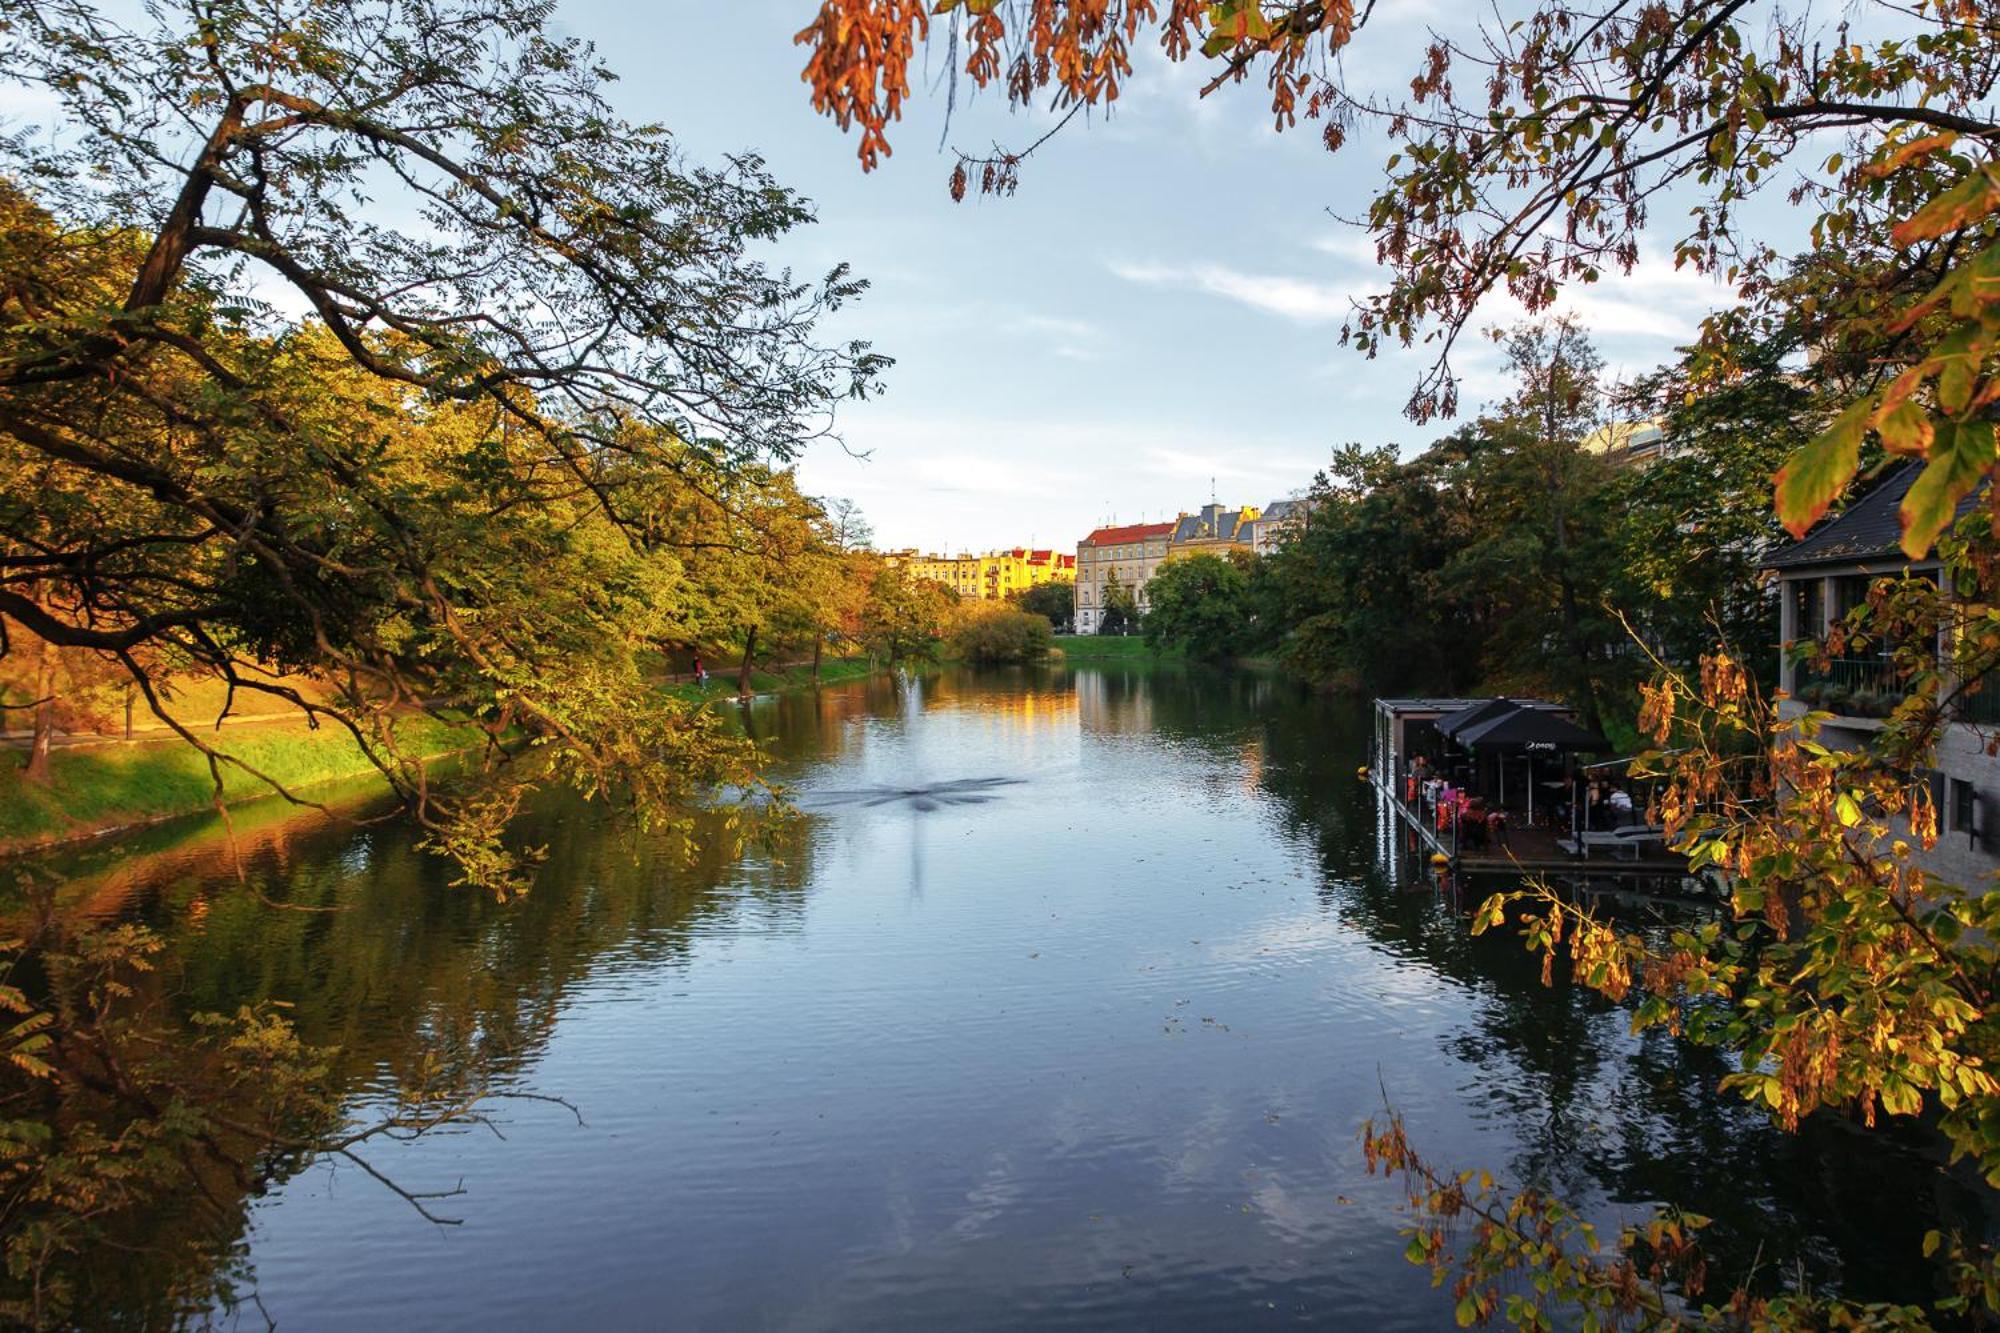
[[1982, 708], [1851, 686]]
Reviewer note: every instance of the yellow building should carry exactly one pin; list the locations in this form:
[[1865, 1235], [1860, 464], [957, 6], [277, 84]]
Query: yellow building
[[994, 576], [1627, 443]]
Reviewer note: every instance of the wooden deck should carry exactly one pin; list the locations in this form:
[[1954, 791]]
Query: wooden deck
[[1533, 851]]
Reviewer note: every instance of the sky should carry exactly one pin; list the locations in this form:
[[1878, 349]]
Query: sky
[[1151, 320]]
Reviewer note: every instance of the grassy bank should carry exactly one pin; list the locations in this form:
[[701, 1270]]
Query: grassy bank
[[99, 787], [722, 682], [1095, 647]]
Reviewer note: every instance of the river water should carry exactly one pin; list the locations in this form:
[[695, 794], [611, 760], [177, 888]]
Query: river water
[[1061, 1006]]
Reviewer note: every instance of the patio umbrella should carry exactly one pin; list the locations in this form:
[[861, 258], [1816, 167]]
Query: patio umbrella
[[1472, 715], [1530, 731]]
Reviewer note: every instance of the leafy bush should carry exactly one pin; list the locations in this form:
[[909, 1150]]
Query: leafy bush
[[1001, 634]]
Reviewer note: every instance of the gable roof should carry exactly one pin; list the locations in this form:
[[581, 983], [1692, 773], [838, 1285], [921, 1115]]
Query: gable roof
[[1131, 532], [1869, 529]]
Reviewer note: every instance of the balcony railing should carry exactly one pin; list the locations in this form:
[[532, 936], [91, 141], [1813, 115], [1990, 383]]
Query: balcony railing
[[1851, 687], [1982, 708]]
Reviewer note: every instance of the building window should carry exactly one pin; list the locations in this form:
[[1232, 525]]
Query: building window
[[1964, 807], [1850, 591], [1808, 608]]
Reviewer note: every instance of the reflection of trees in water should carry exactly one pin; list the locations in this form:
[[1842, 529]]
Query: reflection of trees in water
[[409, 955], [412, 962], [1211, 709], [1599, 1114], [410, 972]]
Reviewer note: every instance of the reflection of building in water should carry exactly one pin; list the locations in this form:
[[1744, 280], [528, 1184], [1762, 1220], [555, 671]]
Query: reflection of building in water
[[1026, 710], [1107, 702], [1250, 773]]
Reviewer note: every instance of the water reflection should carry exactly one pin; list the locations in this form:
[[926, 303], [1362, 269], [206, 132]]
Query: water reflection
[[922, 798], [1060, 1006]]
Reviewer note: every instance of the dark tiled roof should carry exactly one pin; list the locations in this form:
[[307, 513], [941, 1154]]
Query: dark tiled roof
[[1208, 525], [1283, 509], [1869, 529]]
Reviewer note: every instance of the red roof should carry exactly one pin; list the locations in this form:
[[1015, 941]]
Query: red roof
[[1131, 532]]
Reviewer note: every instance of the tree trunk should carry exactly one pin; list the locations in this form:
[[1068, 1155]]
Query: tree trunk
[[819, 646], [45, 715], [743, 672], [1587, 676]]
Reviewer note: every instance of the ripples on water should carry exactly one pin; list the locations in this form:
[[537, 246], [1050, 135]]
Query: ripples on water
[[1084, 1046]]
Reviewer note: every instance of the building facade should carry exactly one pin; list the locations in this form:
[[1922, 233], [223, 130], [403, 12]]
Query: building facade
[[1129, 554], [1821, 579], [1277, 524], [994, 576], [1626, 444]]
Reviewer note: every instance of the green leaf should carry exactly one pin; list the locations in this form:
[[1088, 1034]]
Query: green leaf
[[1961, 455], [1811, 478], [1963, 204], [1906, 429], [1959, 353]]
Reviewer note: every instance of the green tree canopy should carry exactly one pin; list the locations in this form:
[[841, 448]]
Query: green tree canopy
[[1120, 612], [906, 617], [531, 327], [1200, 603], [1054, 602]]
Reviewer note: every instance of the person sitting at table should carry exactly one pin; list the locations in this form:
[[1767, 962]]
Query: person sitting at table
[[1496, 826], [1598, 813], [1472, 819]]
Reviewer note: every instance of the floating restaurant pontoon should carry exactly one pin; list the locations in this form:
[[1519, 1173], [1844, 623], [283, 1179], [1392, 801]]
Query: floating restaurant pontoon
[[1507, 785]]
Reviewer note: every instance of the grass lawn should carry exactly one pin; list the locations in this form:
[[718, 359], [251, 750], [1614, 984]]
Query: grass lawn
[[96, 787], [1126, 647], [99, 787]]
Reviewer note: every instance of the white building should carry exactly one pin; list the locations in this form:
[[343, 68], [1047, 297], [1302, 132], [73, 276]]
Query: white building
[[1131, 553], [1821, 579], [1279, 522]]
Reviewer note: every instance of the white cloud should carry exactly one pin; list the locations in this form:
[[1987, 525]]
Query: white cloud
[[1075, 339], [1296, 299], [970, 482]]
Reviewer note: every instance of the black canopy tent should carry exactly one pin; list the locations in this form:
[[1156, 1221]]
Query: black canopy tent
[[1486, 710], [1530, 729], [1529, 732]]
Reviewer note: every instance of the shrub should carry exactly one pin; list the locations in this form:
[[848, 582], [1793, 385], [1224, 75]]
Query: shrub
[[1001, 634]]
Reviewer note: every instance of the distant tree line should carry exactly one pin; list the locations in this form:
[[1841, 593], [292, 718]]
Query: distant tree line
[[1509, 556]]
